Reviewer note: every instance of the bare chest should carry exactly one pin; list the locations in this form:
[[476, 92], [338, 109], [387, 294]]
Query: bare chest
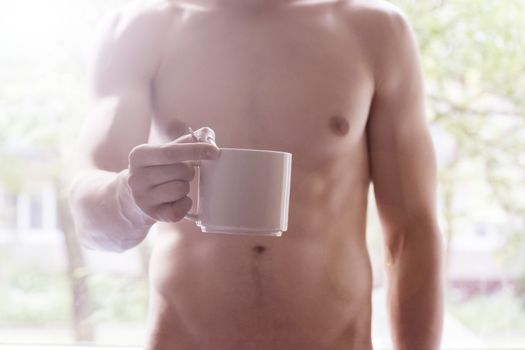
[[294, 83]]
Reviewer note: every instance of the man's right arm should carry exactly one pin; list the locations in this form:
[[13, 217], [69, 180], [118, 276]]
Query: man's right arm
[[123, 185]]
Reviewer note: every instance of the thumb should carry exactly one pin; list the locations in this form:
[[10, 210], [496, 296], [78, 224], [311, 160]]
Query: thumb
[[186, 138], [203, 134]]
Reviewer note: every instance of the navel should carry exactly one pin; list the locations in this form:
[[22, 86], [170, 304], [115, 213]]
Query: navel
[[339, 125], [259, 249], [257, 275]]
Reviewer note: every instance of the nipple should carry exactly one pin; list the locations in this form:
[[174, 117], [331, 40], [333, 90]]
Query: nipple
[[175, 129], [339, 125]]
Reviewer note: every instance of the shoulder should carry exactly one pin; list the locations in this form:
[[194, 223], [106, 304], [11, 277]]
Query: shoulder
[[127, 43], [137, 16], [383, 32], [379, 13], [378, 22]]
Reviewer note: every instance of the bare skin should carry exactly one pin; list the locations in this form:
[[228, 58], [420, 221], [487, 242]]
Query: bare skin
[[339, 85]]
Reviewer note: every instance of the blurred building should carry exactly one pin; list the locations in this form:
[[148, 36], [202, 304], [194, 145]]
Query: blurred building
[[30, 235]]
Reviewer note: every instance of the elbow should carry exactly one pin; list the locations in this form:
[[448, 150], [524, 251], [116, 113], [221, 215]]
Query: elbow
[[423, 241]]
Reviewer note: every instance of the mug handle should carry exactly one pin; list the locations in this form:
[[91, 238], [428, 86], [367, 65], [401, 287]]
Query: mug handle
[[195, 216]]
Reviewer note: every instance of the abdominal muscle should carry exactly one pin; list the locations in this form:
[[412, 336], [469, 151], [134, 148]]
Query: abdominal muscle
[[308, 289]]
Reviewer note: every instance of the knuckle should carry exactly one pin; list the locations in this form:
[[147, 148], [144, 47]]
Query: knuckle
[[134, 154]]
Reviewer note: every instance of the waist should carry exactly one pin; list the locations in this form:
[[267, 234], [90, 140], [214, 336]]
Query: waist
[[226, 284]]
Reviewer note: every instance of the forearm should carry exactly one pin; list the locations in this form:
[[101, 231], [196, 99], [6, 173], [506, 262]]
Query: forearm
[[105, 214], [415, 292]]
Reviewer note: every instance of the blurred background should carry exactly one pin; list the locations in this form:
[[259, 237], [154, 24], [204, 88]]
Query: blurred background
[[53, 292]]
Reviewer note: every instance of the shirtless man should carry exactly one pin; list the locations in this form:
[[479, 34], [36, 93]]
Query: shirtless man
[[336, 83]]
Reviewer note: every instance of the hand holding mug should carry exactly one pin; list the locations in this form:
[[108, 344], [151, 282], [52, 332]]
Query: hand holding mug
[[159, 175]]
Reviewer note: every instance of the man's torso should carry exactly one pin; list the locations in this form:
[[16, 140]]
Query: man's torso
[[295, 79]]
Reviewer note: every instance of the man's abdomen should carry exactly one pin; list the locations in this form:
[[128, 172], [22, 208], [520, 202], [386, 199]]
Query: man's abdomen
[[238, 292]]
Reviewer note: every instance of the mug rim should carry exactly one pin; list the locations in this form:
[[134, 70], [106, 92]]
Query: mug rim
[[253, 150]]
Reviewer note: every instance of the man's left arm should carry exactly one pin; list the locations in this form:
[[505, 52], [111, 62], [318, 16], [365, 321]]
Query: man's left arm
[[403, 171]]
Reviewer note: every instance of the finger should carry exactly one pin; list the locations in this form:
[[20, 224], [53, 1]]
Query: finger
[[186, 138], [205, 134], [159, 174], [148, 155], [175, 211], [167, 192]]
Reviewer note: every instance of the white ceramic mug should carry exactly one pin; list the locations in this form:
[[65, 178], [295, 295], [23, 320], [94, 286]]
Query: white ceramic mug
[[244, 191]]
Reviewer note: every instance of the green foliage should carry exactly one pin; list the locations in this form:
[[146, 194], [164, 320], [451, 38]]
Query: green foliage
[[490, 315], [43, 95], [472, 54], [119, 299], [34, 297], [40, 298]]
